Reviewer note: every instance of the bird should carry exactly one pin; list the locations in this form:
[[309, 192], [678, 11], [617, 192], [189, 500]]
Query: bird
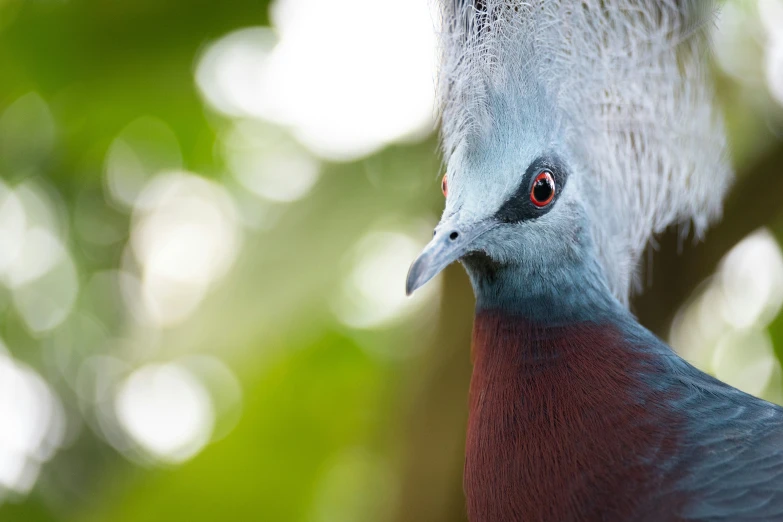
[[573, 132]]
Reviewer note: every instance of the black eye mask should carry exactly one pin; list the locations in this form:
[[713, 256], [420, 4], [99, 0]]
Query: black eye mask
[[520, 207]]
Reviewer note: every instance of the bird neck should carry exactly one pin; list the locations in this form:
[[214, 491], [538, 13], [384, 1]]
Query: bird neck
[[572, 401], [558, 293]]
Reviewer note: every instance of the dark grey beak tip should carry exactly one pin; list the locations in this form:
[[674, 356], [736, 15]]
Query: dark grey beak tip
[[412, 282]]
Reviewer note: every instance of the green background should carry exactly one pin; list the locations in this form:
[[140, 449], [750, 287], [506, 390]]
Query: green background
[[337, 424]]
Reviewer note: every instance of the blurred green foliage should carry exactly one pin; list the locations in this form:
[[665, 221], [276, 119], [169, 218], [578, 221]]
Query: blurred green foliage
[[330, 415], [313, 442]]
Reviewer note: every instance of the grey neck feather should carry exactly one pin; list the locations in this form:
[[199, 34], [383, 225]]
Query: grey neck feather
[[568, 291], [554, 298]]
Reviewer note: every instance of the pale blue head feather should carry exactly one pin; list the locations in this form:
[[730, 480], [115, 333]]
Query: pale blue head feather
[[618, 89]]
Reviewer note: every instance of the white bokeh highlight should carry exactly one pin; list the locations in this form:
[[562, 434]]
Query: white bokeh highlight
[[372, 294], [724, 328], [35, 263], [167, 411], [13, 226], [143, 148], [337, 74], [748, 43], [751, 278], [746, 360], [268, 163], [771, 14], [185, 237], [33, 425]]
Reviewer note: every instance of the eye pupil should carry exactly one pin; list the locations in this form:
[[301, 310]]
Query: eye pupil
[[543, 191]]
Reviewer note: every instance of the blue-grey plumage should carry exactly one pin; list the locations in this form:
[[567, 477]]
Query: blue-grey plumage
[[573, 131]]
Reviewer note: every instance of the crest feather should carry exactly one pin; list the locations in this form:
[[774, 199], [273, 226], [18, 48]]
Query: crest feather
[[628, 80]]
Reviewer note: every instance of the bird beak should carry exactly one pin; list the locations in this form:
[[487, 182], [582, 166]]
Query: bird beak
[[449, 244]]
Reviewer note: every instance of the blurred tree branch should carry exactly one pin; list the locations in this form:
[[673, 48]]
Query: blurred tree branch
[[678, 266], [433, 427]]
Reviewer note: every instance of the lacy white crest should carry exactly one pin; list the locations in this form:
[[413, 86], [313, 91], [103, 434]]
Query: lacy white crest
[[629, 80]]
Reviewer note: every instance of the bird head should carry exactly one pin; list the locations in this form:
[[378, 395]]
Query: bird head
[[511, 200], [569, 136]]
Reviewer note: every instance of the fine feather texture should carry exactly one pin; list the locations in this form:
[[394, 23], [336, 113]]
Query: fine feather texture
[[601, 421], [626, 83], [561, 428]]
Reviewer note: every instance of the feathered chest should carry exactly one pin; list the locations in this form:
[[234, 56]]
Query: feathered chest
[[562, 426]]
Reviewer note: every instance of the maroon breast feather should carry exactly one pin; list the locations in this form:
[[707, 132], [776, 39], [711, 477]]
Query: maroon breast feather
[[565, 426]]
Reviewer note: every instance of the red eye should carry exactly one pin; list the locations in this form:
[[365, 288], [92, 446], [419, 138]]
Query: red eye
[[543, 191], [444, 185]]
